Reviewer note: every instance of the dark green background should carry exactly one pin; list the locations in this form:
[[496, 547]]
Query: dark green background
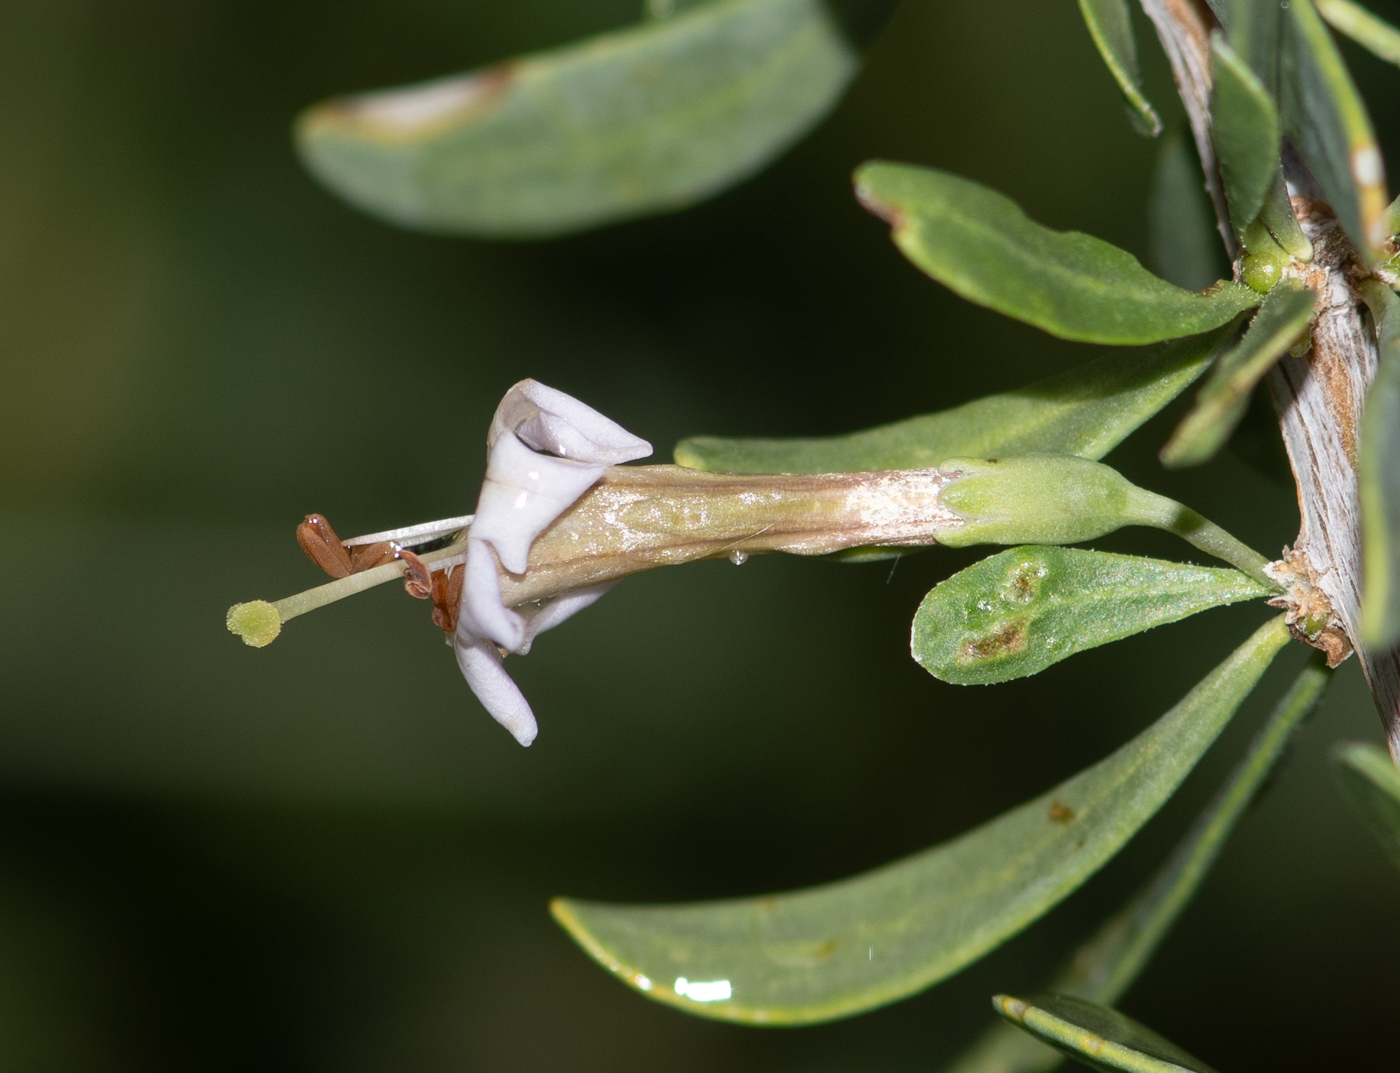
[[323, 855]]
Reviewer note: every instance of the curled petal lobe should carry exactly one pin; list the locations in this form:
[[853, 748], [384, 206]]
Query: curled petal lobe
[[480, 663], [546, 419], [558, 610]]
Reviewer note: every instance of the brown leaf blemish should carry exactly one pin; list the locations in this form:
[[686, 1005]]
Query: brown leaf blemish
[[1007, 639]]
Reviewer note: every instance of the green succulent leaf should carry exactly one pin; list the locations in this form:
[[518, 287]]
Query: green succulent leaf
[[1325, 117], [1095, 1035], [1378, 470], [1016, 613], [626, 124], [1183, 243], [1370, 782], [980, 245], [1283, 317], [1086, 411], [850, 946], [1104, 967], [1245, 132], [1110, 25], [1366, 29]]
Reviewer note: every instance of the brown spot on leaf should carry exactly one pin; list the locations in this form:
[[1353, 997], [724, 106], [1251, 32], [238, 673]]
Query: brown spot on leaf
[[1006, 639], [1061, 814]]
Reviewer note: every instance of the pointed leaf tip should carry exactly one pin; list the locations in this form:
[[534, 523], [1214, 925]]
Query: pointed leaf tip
[[850, 946]]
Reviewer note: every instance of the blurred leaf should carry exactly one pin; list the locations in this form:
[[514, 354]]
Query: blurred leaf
[[1326, 119], [1016, 613], [982, 246], [1361, 26], [1103, 968], [1086, 411], [1245, 133], [1096, 1036], [1111, 27], [1378, 471], [826, 952], [1282, 318], [1370, 781], [1183, 243], [1252, 29], [626, 124]]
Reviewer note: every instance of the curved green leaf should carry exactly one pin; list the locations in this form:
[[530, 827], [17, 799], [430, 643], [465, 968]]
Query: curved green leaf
[[1378, 470], [1370, 781], [1103, 968], [1367, 30], [626, 124], [1096, 1036], [1245, 133], [1086, 411], [1016, 613], [980, 245], [1282, 318], [1325, 117], [846, 947], [1111, 27]]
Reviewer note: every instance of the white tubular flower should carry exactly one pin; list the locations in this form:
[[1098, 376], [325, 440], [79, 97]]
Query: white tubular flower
[[546, 450]]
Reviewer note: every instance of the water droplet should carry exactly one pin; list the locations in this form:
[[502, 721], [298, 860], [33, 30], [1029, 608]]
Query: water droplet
[[738, 558]]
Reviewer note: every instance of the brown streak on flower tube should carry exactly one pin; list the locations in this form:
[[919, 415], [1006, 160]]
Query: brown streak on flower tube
[[323, 547], [639, 517]]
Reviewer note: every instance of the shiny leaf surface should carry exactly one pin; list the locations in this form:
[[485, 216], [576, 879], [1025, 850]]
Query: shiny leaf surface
[[1096, 1036], [1016, 613], [980, 245], [1378, 470], [1105, 966], [1086, 411], [1111, 27], [1223, 399], [1245, 133], [1370, 781], [626, 124], [1325, 117], [853, 945]]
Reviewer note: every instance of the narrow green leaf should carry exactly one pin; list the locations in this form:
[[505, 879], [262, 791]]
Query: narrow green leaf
[[626, 124], [1378, 470], [1096, 1036], [1086, 411], [850, 946], [1183, 245], [1111, 27], [1367, 30], [1221, 403], [1276, 216], [1245, 132], [1016, 613], [1103, 968], [1326, 119], [1370, 781], [980, 245], [1252, 28]]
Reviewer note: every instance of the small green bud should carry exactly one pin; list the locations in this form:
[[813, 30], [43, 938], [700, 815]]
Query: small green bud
[[1034, 499], [1264, 259], [257, 622]]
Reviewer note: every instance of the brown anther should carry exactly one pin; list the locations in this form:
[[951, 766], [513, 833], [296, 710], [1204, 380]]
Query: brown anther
[[417, 579], [447, 598], [368, 556], [323, 547]]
